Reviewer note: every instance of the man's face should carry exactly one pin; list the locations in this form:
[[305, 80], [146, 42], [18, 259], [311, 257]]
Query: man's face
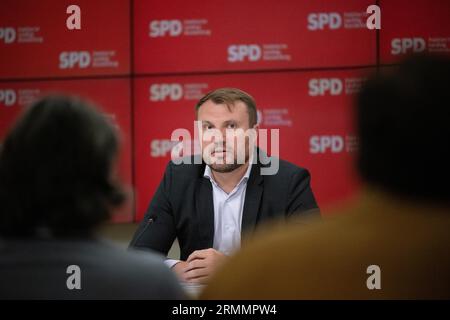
[[225, 147]]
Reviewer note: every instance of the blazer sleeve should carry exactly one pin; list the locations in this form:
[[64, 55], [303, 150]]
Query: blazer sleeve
[[301, 201], [157, 231]]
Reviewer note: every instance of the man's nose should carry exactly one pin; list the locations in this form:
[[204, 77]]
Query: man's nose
[[220, 138]]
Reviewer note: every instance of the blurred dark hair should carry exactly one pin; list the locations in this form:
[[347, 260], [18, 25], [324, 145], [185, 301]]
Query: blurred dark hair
[[55, 170], [403, 124]]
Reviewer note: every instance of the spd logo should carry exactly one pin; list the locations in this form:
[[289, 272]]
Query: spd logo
[[72, 59], [243, 52], [161, 28], [319, 87], [7, 35], [163, 91], [7, 97], [323, 20], [405, 45]]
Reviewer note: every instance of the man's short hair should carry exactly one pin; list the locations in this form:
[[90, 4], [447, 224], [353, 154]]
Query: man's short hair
[[55, 170], [229, 96], [404, 128]]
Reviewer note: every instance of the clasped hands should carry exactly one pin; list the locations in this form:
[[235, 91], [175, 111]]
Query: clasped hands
[[199, 266]]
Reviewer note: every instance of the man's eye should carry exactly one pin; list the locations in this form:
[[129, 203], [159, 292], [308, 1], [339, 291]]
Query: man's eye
[[232, 126], [207, 127]]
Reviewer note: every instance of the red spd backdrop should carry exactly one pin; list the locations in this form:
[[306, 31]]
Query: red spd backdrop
[[37, 43], [251, 35], [146, 63]]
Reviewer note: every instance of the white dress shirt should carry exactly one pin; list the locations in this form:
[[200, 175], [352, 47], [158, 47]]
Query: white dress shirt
[[228, 209]]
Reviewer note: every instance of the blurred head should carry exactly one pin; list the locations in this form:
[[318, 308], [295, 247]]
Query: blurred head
[[226, 117], [404, 129], [56, 170]]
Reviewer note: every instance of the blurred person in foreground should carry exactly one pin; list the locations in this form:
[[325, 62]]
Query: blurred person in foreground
[[394, 242], [57, 185]]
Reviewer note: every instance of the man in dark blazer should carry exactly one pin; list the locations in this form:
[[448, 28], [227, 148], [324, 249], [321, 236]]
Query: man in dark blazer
[[208, 206], [393, 240]]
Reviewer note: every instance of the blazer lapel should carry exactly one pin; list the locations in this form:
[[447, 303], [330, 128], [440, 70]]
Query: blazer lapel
[[205, 212], [252, 199]]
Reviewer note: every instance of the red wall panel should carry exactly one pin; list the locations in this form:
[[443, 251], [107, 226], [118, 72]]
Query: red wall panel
[[37, 43], [412, 26], [188, 36]]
